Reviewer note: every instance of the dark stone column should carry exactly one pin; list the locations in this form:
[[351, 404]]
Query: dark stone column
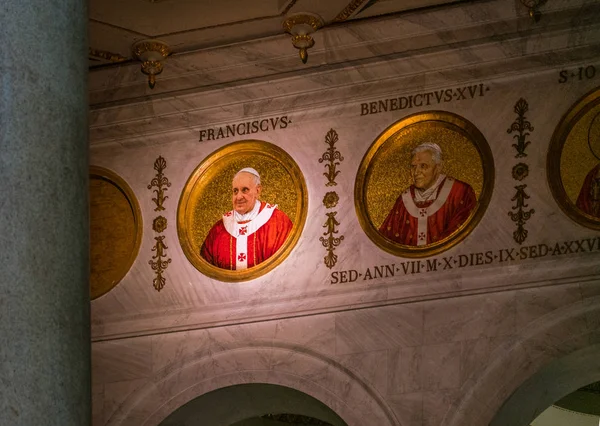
[[44, 235]]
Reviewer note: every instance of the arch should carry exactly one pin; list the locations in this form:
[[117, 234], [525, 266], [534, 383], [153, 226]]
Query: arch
[[252, 400], [255, 362], [551, 383], [547, 361]]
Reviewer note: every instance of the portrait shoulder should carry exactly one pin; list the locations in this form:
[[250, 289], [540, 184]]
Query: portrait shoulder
[[280, 213], [218, 224]]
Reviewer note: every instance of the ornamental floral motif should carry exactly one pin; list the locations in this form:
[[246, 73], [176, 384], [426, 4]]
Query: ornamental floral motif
[[159, 262], [160, 182], [159, 224], [331, 199], [520, 171], [521, 125], [520, 214], [159, 265], [331, 242], [332, 156]]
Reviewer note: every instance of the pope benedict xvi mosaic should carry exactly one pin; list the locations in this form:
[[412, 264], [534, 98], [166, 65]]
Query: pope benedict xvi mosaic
[[433, 207], [424, 184], [250, 233]]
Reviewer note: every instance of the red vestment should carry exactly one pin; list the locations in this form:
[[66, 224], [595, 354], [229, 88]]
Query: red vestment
[[229, 245], [415, 224], [589, 196]]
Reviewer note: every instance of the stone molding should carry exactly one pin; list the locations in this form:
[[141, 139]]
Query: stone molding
[[356, 62], [256, 362]]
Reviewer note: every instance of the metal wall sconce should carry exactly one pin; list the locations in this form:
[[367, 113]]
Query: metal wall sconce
[[533, 6], [152, 53], [301, 26]]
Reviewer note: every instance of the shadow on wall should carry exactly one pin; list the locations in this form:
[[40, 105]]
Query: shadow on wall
[[255, 404]]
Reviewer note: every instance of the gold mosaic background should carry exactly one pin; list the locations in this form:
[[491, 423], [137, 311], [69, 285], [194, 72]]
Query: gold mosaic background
[[389, 174], [113, 235], [577, 160], [211, 196]]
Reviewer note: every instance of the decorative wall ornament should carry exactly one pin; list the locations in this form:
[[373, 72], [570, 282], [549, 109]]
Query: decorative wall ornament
[[159, 224], [331, 242], [521, 125], [573, 162], [331, 198], [115, 230], [152, 54], [422, 211], [533, 8], [520, 216], [301, 26], [521, 170], [159, 265], [161, 183], [349, 10], [104, 54], [331, 156]]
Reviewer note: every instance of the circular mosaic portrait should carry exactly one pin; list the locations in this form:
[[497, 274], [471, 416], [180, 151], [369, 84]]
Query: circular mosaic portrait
[[424, 184], [115, 230], [573, 164], [242, 211]]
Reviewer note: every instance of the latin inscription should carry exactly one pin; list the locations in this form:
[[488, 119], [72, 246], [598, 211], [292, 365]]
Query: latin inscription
[[245, 128], [424, 99], [579, 74], [447, 263]]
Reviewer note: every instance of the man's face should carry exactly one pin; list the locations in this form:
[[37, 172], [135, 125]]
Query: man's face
[[423, 169], [245, 192]]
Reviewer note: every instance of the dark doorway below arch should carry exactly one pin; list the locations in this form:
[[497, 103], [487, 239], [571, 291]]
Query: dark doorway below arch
[[254, 404]]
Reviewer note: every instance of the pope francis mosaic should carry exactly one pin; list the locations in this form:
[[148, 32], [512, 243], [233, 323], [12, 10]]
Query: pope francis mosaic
[[433, 207], [250, 233]]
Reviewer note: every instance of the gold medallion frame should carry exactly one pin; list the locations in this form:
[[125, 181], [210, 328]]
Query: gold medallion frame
[[565, 135], [455, 134], [122, 253], [283, 184]]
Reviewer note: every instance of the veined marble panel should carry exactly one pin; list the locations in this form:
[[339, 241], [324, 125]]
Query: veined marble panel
[[303, 284], [463, 378], [336, 46], [152, 120], [490, 46]]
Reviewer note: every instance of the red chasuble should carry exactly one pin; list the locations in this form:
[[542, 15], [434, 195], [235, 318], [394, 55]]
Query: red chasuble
[[416, 224], [589, 196], [236, 246]]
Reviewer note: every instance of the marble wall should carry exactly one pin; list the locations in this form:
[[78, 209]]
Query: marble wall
[[429, 348]]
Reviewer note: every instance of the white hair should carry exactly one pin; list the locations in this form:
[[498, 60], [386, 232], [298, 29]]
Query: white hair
[[252, 171], [434, 148]]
